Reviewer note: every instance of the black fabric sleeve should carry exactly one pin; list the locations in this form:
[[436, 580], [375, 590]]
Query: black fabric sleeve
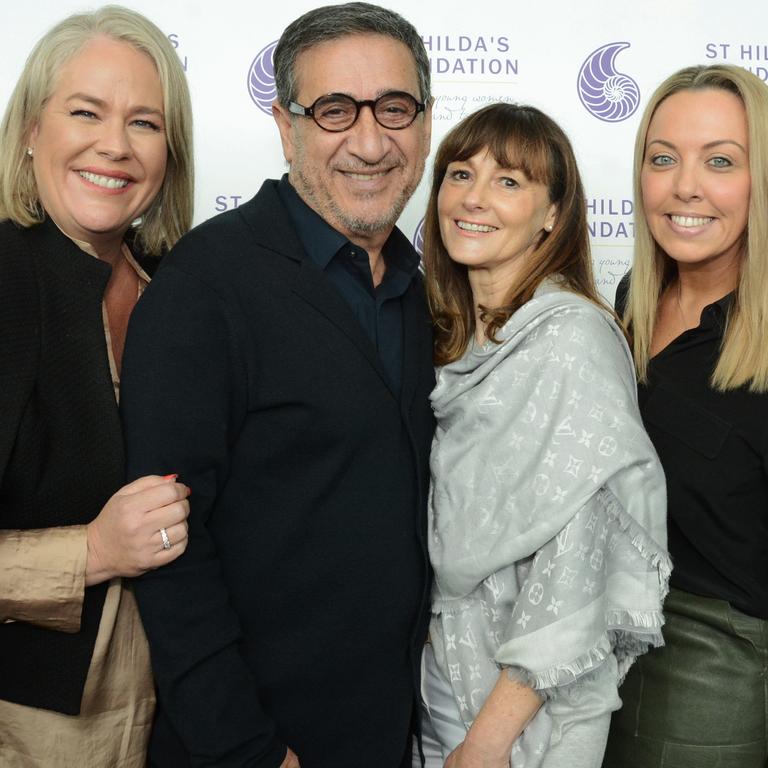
[[184, 396]]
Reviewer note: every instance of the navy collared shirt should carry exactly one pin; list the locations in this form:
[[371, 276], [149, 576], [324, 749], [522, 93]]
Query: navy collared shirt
[[377, 309]]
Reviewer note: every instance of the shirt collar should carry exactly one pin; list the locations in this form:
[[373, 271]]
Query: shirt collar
[[322, 242], [716, 313]]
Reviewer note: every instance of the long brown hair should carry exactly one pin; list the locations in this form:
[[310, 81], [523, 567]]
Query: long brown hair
[[524, 138]]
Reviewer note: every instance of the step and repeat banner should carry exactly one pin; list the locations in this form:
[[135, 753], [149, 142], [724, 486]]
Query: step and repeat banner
[[590, 64]]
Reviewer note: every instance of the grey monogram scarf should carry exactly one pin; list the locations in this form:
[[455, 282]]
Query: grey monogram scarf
[[547, 511]]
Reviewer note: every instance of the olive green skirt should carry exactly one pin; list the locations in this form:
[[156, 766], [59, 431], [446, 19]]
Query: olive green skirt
[[701, 700]]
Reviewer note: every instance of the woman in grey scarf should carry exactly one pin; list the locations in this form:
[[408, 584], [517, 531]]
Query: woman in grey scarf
[[547, 505]]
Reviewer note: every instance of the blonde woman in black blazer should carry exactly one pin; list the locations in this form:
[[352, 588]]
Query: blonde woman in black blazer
[[85, 149]]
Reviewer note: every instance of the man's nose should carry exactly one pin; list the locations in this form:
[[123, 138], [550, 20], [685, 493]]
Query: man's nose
[[367, 139]]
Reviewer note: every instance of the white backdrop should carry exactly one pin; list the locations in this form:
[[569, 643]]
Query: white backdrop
[[589, 64]]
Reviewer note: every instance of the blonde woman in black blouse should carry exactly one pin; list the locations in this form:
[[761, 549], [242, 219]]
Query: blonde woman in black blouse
[[697, 308]]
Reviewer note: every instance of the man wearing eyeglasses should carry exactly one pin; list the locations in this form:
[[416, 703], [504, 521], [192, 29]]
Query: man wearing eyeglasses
[[280, 363]]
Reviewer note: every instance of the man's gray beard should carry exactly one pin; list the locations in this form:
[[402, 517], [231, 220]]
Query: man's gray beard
[[354, 224], [383, 223]]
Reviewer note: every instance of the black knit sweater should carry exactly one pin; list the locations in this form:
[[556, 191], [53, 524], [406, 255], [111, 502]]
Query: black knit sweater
[[61, 454]]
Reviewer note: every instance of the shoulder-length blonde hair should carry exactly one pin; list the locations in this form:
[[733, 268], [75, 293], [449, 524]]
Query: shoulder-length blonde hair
[[743, 354], [170, 214], [519, 137]]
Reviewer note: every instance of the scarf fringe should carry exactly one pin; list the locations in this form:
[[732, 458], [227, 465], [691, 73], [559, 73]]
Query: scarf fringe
[[640, 540], [629, 633], [450, 606], [547, 681], [623, 643]]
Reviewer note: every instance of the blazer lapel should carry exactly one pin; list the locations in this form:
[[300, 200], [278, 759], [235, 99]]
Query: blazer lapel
[[273, 229], [311, 286]]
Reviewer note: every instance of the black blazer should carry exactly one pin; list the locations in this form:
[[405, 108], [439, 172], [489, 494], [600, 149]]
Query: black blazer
[[61, 452], [298, 613]]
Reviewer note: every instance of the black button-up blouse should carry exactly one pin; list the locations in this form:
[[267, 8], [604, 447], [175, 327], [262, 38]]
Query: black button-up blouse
[[714, 450]]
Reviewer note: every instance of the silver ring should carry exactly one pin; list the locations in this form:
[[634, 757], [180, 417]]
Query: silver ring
[[166, 541]]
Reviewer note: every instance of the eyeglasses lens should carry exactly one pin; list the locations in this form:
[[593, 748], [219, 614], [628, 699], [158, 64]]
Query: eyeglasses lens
[[395, 110], [335, 112], [392, 110]]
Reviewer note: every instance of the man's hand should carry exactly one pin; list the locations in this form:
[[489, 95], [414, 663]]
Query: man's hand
[[291, 761]]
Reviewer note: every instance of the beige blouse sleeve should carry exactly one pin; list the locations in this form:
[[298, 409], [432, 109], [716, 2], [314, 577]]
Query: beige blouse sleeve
[[42, 576]]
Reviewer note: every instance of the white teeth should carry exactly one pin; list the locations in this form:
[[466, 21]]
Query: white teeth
[[364, 176], [108, 182], [691, 221], [469, 227]]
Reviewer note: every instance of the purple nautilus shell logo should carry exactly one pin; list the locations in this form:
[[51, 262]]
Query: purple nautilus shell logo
[[261, 79], [418, 238], [609, 95]]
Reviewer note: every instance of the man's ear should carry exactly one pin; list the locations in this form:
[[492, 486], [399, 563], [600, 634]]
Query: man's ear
[[285, 125]]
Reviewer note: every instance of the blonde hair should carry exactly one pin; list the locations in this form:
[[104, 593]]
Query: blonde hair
[[523, 137], [170, 214], [743, 355]]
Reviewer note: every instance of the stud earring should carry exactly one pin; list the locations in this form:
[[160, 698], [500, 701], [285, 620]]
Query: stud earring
[[30, 151]]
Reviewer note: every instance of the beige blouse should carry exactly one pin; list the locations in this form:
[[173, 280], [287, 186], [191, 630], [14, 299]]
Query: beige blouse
[[42, 581]]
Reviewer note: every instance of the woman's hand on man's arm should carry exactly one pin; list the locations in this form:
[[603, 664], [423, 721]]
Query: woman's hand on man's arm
[[125, 539]]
